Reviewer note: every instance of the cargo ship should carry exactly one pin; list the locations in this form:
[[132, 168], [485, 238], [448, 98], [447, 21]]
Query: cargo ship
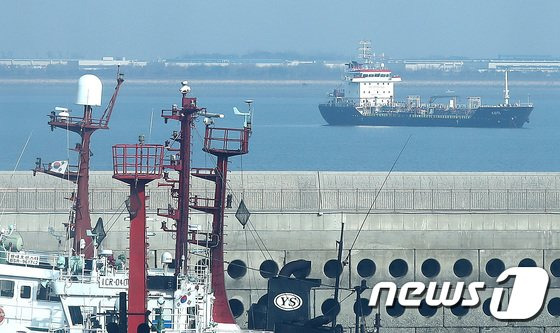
[[368, 100]]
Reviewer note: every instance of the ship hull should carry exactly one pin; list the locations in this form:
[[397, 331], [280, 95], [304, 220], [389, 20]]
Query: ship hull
[[484, 116]]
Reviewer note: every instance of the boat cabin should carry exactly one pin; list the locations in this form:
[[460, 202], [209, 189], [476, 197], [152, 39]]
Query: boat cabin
[[372, 87]]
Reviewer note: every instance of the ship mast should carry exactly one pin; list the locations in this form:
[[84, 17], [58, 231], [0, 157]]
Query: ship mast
[[181, 163], [222, 143], [365, 51], [137, 165], [506, 89], [89, 95]]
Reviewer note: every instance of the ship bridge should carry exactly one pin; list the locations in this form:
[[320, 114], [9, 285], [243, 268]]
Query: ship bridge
[[373, 87]]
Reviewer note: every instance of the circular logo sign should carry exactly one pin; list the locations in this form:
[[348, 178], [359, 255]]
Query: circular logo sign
[[2, 316], [288, 301]]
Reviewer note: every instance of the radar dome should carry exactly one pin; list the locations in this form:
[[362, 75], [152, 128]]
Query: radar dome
[[89, 90], [166, 258]]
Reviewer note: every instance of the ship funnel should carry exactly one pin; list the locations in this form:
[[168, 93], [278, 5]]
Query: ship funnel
[[89, 90]]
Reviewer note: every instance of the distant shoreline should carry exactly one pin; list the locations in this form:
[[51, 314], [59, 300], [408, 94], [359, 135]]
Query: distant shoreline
[[415, 82]]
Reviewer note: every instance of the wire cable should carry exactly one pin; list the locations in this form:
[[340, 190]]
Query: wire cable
[[12, 175], [376, 196]]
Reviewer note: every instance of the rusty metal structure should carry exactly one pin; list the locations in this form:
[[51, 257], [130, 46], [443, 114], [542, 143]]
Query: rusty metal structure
[[222, 143], [137, 165], [84, 126]]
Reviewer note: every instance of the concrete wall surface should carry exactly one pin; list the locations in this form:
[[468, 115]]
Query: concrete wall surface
[[422, 227], [312, 191]]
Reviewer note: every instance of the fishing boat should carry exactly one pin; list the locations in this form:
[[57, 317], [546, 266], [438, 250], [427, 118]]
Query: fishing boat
[[87, 289]]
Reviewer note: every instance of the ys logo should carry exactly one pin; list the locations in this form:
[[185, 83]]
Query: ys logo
[[288, 301]]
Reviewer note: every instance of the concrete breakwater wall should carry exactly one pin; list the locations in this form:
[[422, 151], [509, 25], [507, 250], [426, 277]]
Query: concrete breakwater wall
[[312, 191], [423, 227]]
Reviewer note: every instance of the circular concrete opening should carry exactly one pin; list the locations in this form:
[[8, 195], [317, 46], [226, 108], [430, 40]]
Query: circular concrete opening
[[396, 310], [332, 268], [486, 307], [362, 308], [237, 269], [398, 268], [459, 310], [495, 267], [553, 307], [555, 268], [330, 307], [426, 310], [430, 268], [462, 268], [236, 307], [527, 262], [263, 300], [268, 269], [366, 268]]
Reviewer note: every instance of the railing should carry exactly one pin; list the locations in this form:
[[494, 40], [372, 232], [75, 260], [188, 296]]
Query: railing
[[82, 330], [202, 202], [102, 123], [228, 140], [306, 200], [404, 109], [26, 315], [137, 161]]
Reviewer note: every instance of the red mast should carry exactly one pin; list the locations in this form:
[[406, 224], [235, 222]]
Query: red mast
[[89, 95], [137, 165], [182, 164], [222, 143]]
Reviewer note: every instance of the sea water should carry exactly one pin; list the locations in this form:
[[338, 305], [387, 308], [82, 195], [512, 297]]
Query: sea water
[[288, 130]]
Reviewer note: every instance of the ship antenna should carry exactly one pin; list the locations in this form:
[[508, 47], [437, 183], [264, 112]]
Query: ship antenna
[[506, 89], [365, 51], [12, 175]]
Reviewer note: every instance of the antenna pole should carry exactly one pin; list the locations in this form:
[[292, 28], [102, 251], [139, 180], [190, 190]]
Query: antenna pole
[[365, 49], [506, 90], [339, 260]]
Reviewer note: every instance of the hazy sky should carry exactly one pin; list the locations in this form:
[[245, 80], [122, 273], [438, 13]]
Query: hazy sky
[[154, 29]]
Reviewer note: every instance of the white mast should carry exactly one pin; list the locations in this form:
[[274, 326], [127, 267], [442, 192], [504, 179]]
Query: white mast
[[365, 51], [506, 90]]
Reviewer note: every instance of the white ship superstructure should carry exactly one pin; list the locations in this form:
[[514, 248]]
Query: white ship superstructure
[[372, 87]]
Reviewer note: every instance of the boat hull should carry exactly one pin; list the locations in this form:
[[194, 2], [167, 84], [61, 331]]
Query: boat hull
[[484, 116]]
